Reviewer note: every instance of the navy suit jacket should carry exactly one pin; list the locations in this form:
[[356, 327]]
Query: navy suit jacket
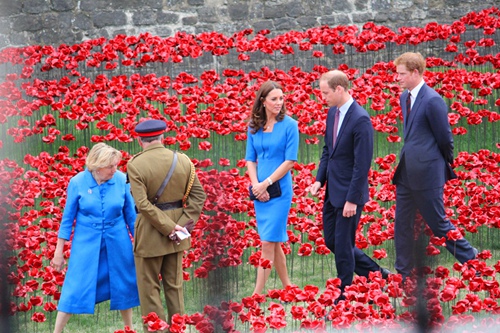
[[428, 142], [345, 167]]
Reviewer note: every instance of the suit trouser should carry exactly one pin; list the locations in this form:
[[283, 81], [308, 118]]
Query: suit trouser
[[431, 206], [170, 268], [340, 236]]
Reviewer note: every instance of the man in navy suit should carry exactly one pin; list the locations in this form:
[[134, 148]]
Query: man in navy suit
[[424, 165], [344, 165]]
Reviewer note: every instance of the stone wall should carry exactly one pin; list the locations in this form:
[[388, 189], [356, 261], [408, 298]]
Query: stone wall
[[26, 22]]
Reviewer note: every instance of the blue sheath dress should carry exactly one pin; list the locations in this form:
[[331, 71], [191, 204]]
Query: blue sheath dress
[[269, 150]]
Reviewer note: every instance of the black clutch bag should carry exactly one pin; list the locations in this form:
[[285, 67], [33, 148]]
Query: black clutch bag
[[274, 191]]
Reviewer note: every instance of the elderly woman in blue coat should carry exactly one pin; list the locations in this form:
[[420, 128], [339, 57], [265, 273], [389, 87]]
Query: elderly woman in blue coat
[[101, 265]]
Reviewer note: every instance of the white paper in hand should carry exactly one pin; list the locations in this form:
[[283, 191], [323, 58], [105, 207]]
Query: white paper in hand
[[182, 235]]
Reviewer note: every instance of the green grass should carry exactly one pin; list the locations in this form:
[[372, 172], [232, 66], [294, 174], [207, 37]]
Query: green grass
[[232, 284]]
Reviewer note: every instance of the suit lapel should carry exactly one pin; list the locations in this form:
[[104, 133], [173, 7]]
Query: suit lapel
[[342, 127], [414, 109], [329, 128]]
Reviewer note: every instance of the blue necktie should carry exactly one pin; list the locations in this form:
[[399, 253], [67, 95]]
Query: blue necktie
[[408, 106]]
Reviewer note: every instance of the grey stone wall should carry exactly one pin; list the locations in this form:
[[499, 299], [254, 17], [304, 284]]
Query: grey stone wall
[[26, 22]]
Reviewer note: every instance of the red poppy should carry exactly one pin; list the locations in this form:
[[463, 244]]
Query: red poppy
[[38, 317], [305, 250], [126, 330]]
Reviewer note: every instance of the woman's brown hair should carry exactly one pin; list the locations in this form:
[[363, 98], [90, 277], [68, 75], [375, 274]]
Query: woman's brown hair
[[258, 117]]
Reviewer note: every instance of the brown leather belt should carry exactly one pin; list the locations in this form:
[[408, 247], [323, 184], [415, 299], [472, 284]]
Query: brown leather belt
[[169, 205]]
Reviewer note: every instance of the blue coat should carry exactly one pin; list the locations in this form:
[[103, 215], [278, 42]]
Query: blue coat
[[101, 264]]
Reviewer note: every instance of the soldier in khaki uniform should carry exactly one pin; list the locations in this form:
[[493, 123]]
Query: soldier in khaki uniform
[[157, 250]]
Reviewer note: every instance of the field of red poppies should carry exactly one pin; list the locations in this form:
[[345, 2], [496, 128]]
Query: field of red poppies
[[56, 101]]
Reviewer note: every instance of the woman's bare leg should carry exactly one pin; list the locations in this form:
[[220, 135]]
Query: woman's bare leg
[[127, 317], [263, 274], [61, 321], [280, 265]]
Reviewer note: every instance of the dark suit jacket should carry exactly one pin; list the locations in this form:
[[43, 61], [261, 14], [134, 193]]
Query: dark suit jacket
[[428, 142], [345, 167]]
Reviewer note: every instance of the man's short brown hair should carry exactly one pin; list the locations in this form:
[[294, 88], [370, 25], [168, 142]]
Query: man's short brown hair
[[412, 61]]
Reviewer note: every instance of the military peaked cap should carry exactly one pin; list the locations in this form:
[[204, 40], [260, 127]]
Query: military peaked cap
[[150, 128]]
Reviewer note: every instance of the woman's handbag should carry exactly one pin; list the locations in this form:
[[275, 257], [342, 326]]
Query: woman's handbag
[[274, 191]]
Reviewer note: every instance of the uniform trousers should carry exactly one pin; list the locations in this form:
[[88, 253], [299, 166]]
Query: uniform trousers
[[170, 269]]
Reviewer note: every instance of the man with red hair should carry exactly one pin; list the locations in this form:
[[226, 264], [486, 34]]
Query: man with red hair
[[424, 167]]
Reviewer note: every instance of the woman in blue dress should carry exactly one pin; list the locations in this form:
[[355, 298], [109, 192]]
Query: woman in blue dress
[[272, 144], [101, 265]]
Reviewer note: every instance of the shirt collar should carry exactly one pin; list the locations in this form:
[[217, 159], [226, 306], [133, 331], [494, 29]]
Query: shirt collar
[[345, 107], [414, 91]]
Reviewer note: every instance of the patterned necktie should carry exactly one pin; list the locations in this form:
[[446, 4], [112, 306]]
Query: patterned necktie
[[408, 106], [336, 126]]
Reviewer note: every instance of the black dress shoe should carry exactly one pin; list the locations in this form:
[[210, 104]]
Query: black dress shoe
[[385, 273], [340, 298]]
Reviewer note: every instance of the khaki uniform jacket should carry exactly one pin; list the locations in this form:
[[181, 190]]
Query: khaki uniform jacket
[[146, 172]]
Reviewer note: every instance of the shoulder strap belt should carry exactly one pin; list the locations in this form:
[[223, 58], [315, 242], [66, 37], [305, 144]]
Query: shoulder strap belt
[[166, 180]]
